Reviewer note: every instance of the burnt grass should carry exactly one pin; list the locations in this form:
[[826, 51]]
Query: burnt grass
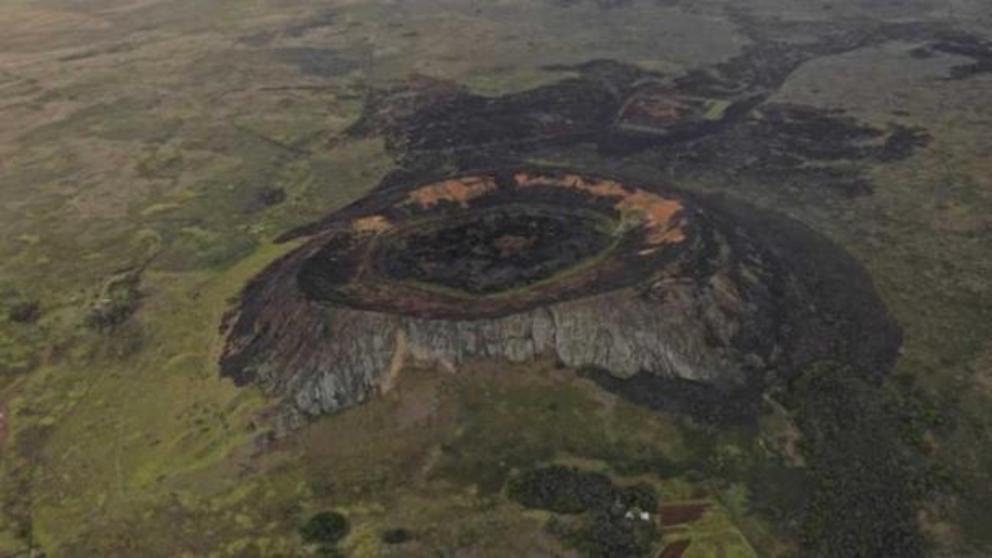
[[495, 252], [865, 475], [978, 50], [431, 124]]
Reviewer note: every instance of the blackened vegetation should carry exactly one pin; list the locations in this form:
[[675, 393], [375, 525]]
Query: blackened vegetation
[[714, 119], [846, 321], [704, 402], [791, 144], [979, 50], [494, 252], [446, 254], [433, 117], [824, 306], [611, 523]]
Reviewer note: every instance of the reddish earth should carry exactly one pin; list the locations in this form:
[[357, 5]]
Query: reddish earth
[[655, 107], [661, 216], [675, 550], [681, 514], [459, 190]]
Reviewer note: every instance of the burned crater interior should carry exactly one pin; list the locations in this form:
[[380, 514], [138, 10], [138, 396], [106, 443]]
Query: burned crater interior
[[494, 250], [493, 244]]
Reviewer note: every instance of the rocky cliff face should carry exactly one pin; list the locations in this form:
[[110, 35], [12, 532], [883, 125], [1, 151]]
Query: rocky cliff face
[[352, 353], [682, 290]]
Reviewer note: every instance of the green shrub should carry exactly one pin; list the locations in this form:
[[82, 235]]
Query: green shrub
[[24, 311], [118, 300], [605, 535], [641, 496], [396, 536], [325, 527], [562, 489], [605, 528], [865, 480]]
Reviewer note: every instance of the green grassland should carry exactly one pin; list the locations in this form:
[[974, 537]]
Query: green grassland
[[149, 132]]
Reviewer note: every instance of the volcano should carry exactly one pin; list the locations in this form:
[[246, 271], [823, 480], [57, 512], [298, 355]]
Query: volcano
[[635, 282]]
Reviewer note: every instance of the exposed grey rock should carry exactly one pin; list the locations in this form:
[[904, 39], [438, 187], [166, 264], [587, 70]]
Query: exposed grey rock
[[326, 359]]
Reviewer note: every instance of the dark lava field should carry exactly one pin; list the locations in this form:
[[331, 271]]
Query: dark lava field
[[544, 278]]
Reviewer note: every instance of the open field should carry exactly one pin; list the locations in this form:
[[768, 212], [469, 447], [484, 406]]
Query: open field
[[172, 142]]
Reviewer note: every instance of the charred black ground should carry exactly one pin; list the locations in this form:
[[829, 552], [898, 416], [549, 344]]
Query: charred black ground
[[494, 250], [717, 120], [491, 244]]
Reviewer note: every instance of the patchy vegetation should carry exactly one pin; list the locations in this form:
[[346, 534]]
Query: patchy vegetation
[[617, 521], [118, 300], [866, 478]]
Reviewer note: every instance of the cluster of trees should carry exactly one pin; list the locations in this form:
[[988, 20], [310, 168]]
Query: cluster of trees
[[325, 529], [610, 518], [865, 474]]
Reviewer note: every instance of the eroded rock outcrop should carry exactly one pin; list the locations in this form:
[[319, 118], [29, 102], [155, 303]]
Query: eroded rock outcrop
[[659, 284]]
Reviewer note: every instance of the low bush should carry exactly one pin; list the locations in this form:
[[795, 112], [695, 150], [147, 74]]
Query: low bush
[[325, 527]]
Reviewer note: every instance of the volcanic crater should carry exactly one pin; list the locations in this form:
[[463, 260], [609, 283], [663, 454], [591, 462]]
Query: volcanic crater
[[646, 288]]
